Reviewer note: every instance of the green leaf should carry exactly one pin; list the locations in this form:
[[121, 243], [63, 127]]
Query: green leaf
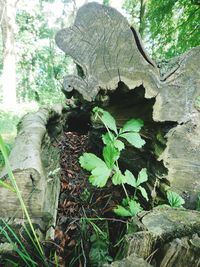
[[100, 171], [122, 212], [134, 139], [119, 145], [7, 185], [134, 207], [100, 176], [117, 178], [108, 138], [107, 119], [143, 192], [133, 125], [125, 202], [90, 161], [174, 199], [129, 178], [142, 176], [110, 154]]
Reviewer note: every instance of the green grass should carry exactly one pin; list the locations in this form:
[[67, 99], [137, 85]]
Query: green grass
[[7, 230]]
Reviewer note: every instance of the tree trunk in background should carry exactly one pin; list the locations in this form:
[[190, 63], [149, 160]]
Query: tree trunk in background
[[8, 24], [142, 17]]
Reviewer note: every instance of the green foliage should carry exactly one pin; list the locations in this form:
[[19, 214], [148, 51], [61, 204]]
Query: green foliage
[[129, 207], [99, 170], [40, 65], [171, 27], [94, 233], [106, 2], [99, 253], [103, 170], [174, 199], [197, 102], [17, 245], [2, 161], [12, 185], [85, 195], [198, 202]]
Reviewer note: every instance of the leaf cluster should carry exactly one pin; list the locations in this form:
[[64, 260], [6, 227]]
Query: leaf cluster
[[114, 141], [174, 199], [99, 252]]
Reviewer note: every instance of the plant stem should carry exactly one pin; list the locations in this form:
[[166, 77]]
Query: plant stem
[[98, 116], [125, 192]]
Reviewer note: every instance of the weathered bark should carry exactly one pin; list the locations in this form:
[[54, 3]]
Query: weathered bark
[[181, 252], [35, 165], [131, 261], [108, 51], [166, 237], [177, 101], [112, 57], [170, 237]]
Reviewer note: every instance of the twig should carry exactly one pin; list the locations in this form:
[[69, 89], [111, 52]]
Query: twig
[[151, 255], [85, 260]]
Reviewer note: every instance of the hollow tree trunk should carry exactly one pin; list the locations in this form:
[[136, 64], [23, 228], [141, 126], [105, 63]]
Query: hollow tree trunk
[[114, 63], [119, 75]]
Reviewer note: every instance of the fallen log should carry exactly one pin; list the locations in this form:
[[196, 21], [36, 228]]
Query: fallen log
[[168, 237], [35, 164], [118, 74]]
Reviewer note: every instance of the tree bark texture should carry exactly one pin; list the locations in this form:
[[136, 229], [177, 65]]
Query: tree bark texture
[[167, 237], [112, 58], [35, 165]]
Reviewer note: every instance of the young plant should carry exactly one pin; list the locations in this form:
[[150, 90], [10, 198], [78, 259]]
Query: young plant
[[108, 168], [174, 199]]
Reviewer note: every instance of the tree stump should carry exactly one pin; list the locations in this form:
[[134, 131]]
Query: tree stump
[[118, 74]]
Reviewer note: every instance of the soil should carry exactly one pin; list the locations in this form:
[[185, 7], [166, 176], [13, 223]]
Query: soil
[[85, 220]]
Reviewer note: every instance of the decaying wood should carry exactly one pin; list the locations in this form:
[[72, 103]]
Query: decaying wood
[[131, 261], [171, 238], [35, 165], [181, 252], [142, 243], [177, 101], [108, 50], [112, 57]]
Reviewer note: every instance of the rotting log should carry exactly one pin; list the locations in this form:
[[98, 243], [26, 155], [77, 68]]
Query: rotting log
[[131, 261], [114, 66], [168, 237], [102, 43], [35, 164]]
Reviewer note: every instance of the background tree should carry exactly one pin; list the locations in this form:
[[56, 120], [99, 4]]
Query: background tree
[[8, 28], [40, 65], [168, 27], [137, 11], [106, 2]]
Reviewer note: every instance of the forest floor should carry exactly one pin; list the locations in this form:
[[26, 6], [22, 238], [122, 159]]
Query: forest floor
[[87, 230]]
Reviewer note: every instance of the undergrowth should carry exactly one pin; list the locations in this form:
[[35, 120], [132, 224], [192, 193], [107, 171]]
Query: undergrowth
[[25, 257], [103, 171]]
